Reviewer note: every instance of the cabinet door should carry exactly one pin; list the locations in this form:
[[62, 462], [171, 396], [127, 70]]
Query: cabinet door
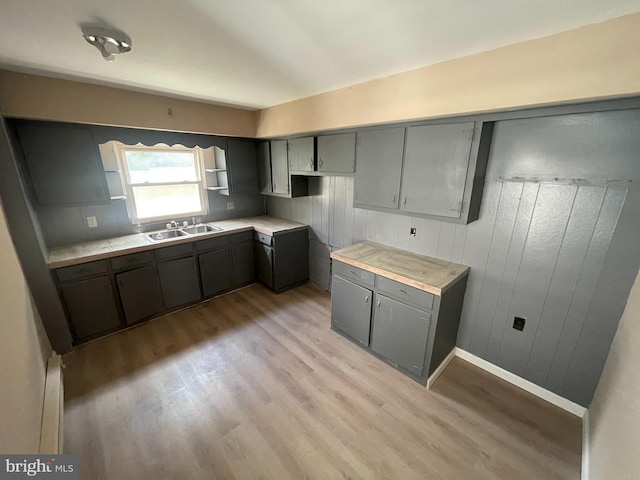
[[216, 271], [302, 155], [351, 309], [264, 263], [91, 306], [242, 167], [290, 258], [400, 333], [279, 167], [139, 293], [436, 160], [64, 165], [337, 153], [264, 168], [243, 267], [179, 281], [378, 167]]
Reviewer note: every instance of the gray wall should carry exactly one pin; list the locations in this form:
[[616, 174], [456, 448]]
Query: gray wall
[[556, 243], [67, 225]]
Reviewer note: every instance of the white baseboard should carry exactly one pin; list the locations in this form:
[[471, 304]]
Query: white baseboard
[[51, 431], [434, 376], [526, 385], [585, 446]]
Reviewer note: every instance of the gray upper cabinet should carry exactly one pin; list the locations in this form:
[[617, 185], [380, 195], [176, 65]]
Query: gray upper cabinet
[[436, 161], [378, 168], [64, 165], [264, 168], [302, 154], [242, 167], [337, 153], [279, 167]]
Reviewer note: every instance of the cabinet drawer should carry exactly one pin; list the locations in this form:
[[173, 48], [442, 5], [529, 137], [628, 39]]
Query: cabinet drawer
[[405, 292], [132, 260], [212, 243], [175, 251], [264, 239], [80, 271], [242, 237], [353, 273]]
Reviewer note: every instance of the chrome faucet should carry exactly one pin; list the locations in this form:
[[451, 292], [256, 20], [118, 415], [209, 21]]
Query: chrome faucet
[[173, 224], [193, 220]]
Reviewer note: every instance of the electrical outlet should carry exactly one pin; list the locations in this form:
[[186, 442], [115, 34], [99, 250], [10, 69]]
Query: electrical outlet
[[92, 222], [231, 205], [412, 231], [169, 112], [518, 323]]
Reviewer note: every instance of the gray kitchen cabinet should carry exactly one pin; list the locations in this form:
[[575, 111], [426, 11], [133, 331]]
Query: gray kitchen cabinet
[[216, 271], [242, 259], [264, 168], [140, 294], [242, 168], [440, 163], [351, 309], [90, 306], [63, 164], [279, 167], [282, 260], [413, 329], [302, 154], [378, 168], [400, 333], [179, 281], [337, 153]]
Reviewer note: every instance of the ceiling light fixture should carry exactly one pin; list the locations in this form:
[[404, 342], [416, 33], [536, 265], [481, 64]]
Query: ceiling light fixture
[[110, 42]]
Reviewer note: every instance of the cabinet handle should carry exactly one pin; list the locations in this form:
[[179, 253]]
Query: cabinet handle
[[274, 186], [403, 291], [405, 201], [394, 198], [366, 299], [379, 303], [120, 282], [106, 284], [321, 162]]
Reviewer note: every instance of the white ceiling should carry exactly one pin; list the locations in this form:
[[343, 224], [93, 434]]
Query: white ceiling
[[259, 53]]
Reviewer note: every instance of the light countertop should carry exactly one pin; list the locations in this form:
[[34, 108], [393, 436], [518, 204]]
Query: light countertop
[[111, 247], [425, 273]]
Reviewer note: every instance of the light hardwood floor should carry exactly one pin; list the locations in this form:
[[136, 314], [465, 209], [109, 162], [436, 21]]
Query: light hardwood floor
[[256, 385]]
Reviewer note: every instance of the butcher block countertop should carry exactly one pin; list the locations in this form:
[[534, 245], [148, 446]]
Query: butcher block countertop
[[425, 273], [111, 247]]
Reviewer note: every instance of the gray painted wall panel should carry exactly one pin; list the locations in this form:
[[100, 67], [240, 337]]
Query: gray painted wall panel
[[546, 231], [543, 245], [565, 278]]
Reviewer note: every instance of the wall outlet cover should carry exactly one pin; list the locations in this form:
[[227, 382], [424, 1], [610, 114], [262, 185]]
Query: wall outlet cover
[[92, 222], [231, 205], [518, 323], [412, 231]]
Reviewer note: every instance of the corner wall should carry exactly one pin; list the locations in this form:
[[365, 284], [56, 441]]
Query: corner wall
[[595, 61], [44, 98], [24, 351], [614, 415]]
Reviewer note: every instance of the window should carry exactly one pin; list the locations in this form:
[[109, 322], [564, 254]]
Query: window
[[163, 182]]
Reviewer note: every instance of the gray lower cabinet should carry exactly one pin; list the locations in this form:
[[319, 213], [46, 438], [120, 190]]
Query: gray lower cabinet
[[282, 260], [216, 271], [179, 281], [378, 168], [91, 306], [351, 309], [400, 333], [139, 293], [243, 266], [263, 256]]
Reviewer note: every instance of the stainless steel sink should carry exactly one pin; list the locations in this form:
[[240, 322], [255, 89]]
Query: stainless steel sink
[[165, 235], [195, 229]]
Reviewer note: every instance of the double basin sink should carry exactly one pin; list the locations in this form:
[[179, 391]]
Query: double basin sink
[[181, 232]]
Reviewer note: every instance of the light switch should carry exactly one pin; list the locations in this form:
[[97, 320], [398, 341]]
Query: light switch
[[92, 222]]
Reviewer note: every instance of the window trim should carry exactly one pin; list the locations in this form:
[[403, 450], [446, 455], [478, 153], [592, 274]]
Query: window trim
[[120, 150]]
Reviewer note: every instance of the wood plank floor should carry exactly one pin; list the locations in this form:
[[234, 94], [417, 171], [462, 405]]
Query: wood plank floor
[[256, 385]]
